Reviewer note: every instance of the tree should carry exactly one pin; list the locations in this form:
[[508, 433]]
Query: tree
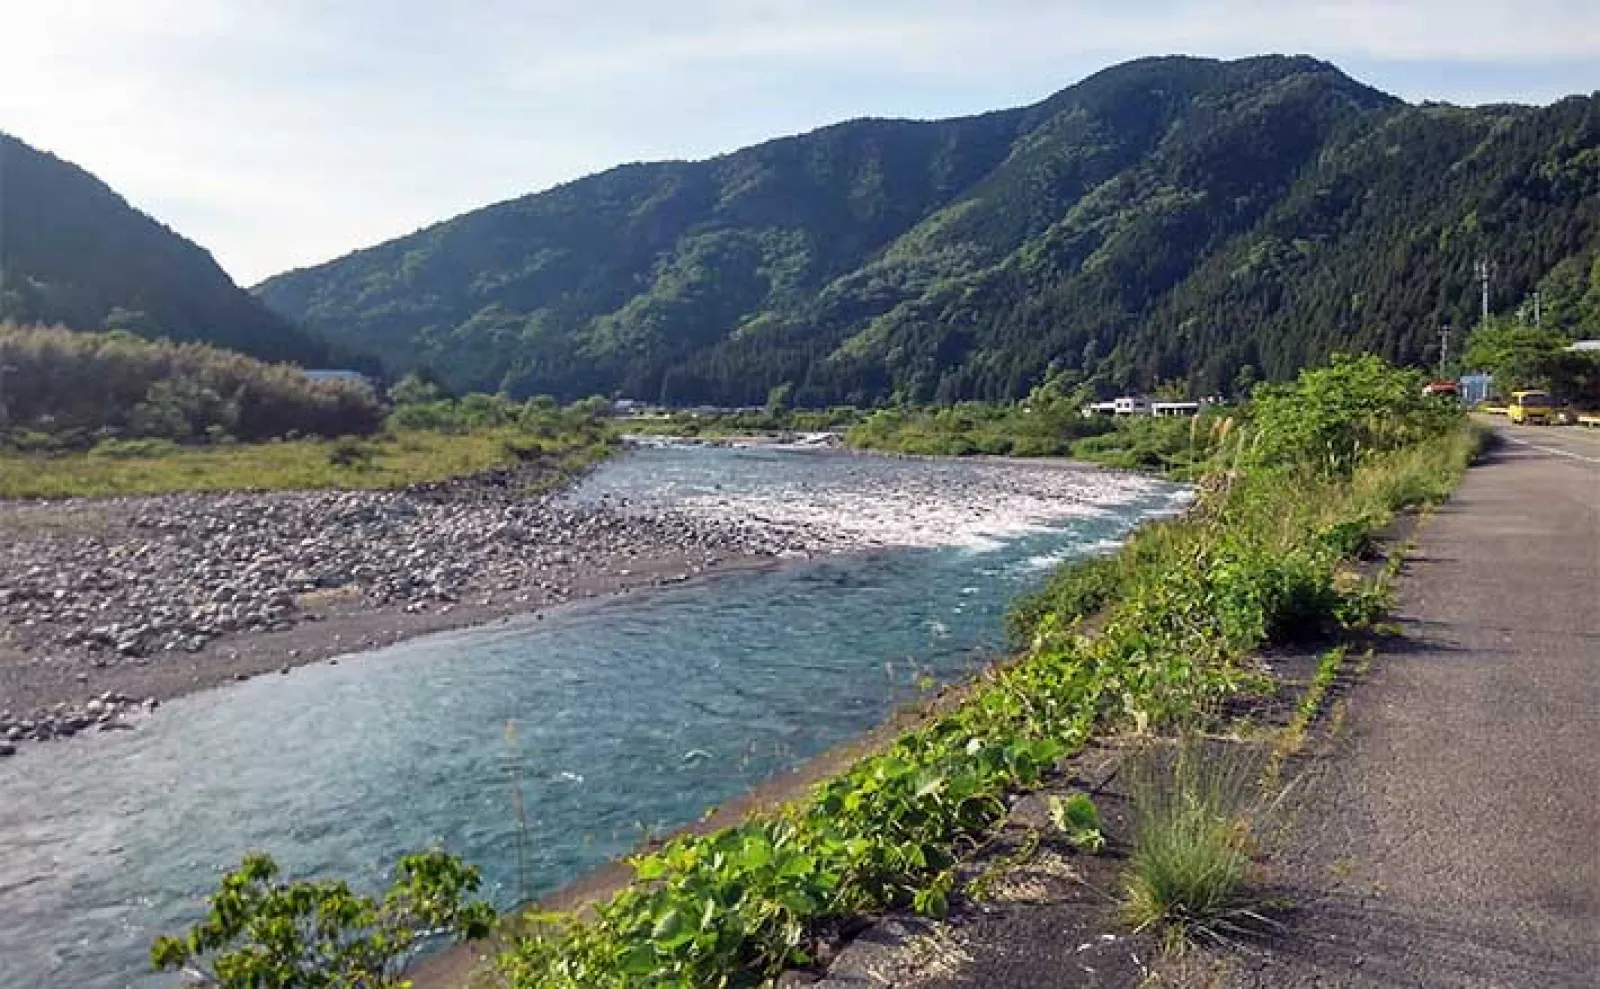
[[1244, 382], [593, 407], [1517, 356], [780, 399], [414, 389], [265, 934], [1336, 416]]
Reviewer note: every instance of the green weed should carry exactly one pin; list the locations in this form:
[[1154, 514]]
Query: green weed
[[1078, 820]]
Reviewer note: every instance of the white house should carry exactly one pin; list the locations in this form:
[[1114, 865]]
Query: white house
[[1127, 405]]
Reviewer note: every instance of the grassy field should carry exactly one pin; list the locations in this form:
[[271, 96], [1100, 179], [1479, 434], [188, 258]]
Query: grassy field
[[386, 461]]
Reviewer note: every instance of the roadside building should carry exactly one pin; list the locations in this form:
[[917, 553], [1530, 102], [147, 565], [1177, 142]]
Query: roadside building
[[1476, 388], [1174, 409]]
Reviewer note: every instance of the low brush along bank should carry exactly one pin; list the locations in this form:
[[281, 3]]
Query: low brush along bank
[[1289, 491]]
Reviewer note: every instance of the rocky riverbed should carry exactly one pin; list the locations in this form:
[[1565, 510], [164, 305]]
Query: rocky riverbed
[[108, 606]]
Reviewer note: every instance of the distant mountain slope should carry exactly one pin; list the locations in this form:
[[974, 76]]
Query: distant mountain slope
[[1170, 218], [74, 252]]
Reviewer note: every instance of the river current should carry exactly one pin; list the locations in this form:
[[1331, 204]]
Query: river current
[[620, 717]]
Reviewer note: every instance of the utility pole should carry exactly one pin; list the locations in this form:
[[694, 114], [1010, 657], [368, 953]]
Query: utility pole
[[1485, 269], [5, 413], [1444, 349], [2, 235], [1536, 313]]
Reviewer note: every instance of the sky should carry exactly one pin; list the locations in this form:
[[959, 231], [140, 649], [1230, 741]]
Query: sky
[[283, 133]]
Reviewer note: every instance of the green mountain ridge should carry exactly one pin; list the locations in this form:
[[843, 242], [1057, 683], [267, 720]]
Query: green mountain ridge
[[1170, 218], [73, 252]]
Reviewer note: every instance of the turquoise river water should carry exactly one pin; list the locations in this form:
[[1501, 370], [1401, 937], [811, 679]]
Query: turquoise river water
[[629, 714]]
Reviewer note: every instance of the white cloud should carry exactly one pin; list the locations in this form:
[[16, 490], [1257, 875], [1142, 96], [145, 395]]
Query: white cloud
[[284, 133]]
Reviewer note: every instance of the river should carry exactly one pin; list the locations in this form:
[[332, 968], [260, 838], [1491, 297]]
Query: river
[[619, 717]]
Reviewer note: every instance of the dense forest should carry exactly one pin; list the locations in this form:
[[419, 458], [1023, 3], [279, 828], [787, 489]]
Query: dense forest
[[1171, 220], [74, 253]]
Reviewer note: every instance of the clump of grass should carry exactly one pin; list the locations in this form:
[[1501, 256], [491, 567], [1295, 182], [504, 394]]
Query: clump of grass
[[1194, 808], [1312, 703]]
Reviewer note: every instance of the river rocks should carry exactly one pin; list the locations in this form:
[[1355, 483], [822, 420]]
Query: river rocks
[[140, 580], [120, 584], [105, 711]]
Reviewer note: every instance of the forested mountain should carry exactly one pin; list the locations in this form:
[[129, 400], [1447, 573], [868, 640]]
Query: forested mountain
[[1170, 218], [74, 253]]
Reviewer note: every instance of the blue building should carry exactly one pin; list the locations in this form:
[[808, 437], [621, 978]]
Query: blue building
[[1476, 388]]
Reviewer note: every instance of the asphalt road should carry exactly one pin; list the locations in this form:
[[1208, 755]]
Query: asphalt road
[[1581, 444], [1454, 839]]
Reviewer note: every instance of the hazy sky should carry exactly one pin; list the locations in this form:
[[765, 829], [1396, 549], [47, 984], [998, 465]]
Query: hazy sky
[[281, 133]]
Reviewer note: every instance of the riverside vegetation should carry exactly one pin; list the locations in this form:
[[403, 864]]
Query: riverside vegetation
[[1049, 422], [88, 414], [1289, 490]]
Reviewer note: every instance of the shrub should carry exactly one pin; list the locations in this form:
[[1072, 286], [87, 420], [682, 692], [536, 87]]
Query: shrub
[[350, 452], [1078, 820], [1331, 419], [130, 449], [262, 933], [65, 382]]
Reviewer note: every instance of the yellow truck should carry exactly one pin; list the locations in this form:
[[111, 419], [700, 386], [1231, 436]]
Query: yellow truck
[[1531, 407]]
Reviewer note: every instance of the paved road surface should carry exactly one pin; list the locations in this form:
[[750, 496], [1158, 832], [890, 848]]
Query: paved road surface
[[1455, 842], [1569, 442]]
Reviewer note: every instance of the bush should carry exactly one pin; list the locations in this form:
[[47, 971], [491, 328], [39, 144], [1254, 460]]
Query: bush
[[1332, 419], [350, 452], [1078, 820], [131, 449]]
